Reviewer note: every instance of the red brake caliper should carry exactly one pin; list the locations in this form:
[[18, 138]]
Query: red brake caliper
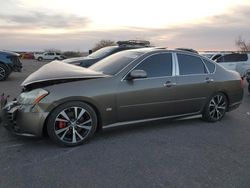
[[62, 124]]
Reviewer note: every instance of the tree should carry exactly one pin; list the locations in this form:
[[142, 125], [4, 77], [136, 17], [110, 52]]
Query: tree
[[103, 43], [242, 44]]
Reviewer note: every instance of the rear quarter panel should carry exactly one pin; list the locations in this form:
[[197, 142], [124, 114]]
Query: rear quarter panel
[[229, 82]]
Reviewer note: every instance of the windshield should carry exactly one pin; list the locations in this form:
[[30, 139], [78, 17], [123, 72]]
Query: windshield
[[111, 65], [102, 52]]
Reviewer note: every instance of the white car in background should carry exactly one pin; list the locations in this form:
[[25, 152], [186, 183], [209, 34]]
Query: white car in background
[[213, 55], [239, 62], [48, 56]]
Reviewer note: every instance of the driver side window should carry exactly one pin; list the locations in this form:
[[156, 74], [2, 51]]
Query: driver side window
[[158, 65]]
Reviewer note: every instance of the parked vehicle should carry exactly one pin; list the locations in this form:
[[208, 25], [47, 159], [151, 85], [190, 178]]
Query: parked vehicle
[[72, 103], [213, 56], [235, 61], [48, 56], [248, 75], [27, 55], [92, 58], [9, 62]]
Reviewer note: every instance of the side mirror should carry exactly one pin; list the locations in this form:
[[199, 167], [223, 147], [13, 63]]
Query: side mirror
[[134, 74]]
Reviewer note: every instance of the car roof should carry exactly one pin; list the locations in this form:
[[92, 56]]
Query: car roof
[[160, 49]]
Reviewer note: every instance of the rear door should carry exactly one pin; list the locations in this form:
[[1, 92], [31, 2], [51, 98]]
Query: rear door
[[194, 83], [150, 97], [49, 55]]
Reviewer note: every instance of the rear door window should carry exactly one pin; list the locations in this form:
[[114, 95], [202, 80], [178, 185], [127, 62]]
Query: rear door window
[[189, 64]]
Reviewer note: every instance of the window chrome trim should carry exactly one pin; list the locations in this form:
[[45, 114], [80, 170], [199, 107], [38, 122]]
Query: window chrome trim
[[133, 68], [177, 73]]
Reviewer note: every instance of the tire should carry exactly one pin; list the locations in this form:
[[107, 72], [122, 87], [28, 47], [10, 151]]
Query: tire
[[72, 124], [215, 108], [249, 88], [4, 72], [56, 58], [39, 58], [248, 80]]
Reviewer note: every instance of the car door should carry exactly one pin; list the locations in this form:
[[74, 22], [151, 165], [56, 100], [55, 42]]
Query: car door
[[149, 97], [194, 83]]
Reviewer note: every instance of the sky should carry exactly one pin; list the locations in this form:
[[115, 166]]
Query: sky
[[77, 25]]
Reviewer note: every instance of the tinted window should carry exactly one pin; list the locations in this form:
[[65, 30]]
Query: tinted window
[[232, 58], [190, 65], [50, 53], [58, 54], [157, 65], [116, 62], [210, 65]]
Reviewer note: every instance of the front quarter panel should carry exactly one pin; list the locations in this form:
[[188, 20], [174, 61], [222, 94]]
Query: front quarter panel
[[100, 93]]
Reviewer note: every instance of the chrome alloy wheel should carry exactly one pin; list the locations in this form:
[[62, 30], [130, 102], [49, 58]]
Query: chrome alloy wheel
[[2, 73], [217, 107], [72, 125]]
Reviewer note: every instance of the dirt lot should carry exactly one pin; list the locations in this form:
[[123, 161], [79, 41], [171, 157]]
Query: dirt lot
[[189, 153]]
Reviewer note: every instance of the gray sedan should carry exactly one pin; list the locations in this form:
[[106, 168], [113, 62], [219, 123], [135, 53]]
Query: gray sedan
[[71, 103]]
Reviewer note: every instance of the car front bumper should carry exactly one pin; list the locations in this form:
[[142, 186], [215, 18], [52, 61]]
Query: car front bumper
[[23, 119]]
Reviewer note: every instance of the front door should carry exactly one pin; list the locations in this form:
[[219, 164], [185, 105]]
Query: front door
[[150, 97]]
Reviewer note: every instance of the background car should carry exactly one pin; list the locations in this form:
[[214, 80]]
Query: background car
[[214, 55], [132, 86], [107, 51], [27, 55], [239, 62], [9, 62], [49, 56]]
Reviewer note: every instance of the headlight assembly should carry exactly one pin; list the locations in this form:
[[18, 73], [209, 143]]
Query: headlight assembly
[[32, 97]]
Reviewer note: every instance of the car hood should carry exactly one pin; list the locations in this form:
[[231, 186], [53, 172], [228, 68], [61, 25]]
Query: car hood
[[9, 53], [58, 70]]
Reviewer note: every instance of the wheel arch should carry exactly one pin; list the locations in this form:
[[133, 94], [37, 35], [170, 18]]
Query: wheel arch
[[61, 102], [219, 91]]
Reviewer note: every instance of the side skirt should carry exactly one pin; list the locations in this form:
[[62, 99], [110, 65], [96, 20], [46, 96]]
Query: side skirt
[[178, 117]]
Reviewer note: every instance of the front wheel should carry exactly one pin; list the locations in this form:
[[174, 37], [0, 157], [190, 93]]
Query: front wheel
[[39, 58], [216, 108], [72, 123], [4, 73]]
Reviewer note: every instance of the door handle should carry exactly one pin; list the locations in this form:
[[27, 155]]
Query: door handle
[[169, 84], [209, 80]]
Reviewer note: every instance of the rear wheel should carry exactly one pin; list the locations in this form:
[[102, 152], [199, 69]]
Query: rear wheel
[[3, 72], [216, 108], [72, 123]]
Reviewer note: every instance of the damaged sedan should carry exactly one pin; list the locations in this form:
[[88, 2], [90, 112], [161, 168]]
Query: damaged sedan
[[70, 103]]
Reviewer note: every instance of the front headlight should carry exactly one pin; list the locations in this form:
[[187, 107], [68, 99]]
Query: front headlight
[[32, 97]]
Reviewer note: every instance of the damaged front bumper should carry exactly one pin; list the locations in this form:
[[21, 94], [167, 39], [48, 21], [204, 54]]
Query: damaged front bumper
[[23, 119]]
